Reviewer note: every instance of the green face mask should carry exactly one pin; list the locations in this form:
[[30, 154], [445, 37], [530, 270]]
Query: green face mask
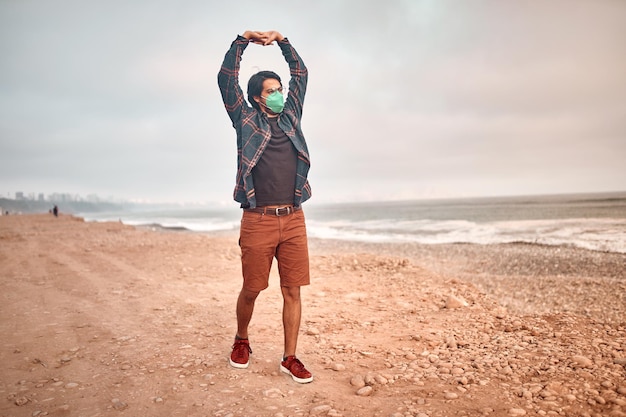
[[275, 102]]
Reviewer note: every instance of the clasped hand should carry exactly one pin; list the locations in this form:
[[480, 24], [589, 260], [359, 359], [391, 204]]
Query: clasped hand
[[263, 38]]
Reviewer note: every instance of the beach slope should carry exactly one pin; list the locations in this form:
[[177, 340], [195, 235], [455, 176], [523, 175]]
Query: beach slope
[[102, 319]]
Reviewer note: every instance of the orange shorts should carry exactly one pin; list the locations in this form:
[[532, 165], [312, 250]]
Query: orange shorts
[[262, 238]]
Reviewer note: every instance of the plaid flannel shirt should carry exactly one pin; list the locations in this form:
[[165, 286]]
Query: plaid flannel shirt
[[252, 127]]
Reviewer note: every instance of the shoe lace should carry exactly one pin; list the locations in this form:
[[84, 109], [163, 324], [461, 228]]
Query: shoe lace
[[299, 366], [240, 347]]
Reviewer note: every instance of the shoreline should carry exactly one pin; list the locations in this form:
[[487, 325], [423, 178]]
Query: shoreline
[[339, 242]]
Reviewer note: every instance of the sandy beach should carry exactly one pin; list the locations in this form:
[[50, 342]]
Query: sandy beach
[[104, 319]]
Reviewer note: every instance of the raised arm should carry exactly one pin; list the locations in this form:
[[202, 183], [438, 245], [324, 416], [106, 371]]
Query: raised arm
[[299, 77], [228, 78]]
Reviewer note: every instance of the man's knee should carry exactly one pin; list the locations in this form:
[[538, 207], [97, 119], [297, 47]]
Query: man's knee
[[248, 296], [291, 294]]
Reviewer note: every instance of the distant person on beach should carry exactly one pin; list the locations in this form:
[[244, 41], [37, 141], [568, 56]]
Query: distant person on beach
[[55, 211], [271, 185]]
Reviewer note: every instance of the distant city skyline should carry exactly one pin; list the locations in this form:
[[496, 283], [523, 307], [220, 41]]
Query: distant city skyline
[[58, 196]]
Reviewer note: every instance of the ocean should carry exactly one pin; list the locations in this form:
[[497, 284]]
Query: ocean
[[591, 221]]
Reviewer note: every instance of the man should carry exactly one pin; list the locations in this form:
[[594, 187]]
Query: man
[[271, 185]]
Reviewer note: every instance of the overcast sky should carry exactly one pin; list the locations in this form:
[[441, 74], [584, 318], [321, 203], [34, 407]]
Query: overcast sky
[[406, 98]]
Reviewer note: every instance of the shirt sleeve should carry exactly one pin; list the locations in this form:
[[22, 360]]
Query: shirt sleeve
[[228, 80], [299, 77]]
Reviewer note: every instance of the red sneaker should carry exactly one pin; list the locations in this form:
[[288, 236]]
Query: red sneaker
[[240, 356], [292, 366]]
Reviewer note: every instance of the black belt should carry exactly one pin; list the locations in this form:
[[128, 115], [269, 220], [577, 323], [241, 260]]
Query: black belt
[[274, 211]]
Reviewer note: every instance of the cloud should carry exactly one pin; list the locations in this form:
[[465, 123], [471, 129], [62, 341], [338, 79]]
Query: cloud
[[406, 98]]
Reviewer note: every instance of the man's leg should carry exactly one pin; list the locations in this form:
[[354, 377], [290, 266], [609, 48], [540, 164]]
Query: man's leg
[[293, 267], [292, 311], [245, 308], [240, 355], [257, 242], [258, 237]]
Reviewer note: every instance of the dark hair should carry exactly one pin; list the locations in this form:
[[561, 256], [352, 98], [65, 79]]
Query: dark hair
[[255, 85]]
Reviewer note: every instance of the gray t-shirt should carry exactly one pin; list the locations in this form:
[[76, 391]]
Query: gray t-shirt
[[274, 175]]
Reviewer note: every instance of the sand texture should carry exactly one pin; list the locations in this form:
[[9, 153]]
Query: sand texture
[[103, 319]]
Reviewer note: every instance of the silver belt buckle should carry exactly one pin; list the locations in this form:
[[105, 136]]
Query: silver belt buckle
[[282, 208]]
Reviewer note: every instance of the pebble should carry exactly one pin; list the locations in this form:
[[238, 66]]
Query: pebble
[[455, 302], [71, 385], [451, 396], [500, 313], [20, 401], [357, 381], [365, 391], [119, 404], [312, 331], [607, 384], [320, 409], [457, 371], [582, 361], [451, 342], [339, 367], [381, 379], [619, 401], [517, 412]]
